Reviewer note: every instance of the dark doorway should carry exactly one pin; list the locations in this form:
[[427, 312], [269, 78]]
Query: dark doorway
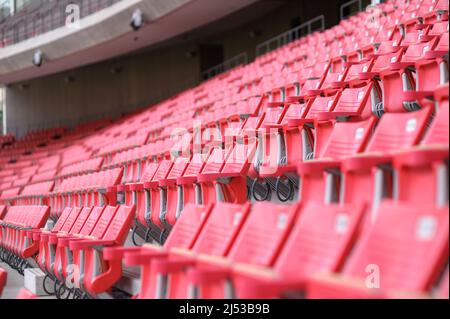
[[211, 55]]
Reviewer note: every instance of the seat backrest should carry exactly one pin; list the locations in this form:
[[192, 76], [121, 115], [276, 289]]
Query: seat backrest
[[357, 68], [103, 222], [215, 161], [263, 234], [188, 226], [196, 165], [438, 131], [348, 138], [383, 61], [220, 230], [407, 246], [149, 172], [353, 100], [274, 115], [320, 239], [38, 188], [295, 111], [36, 215], [396, 131], [91, 222], [62, 219], [120, 224], [83, 216], [417, 50], [178, 167], [240, 158], [71, 219], [163, 170], [321, 104], [443, 42], [253, 123], [11, 192], [113, 177], [439, 28]]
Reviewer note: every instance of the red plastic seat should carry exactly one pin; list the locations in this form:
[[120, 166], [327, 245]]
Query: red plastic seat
[[216, 238], [183, 235], [321, 239], [111, 230], [394, 132], [258, 243], [138, 194], [405, 238], [13, 229], [421, 172], [47, 248], [399, 78], [171, 193], [229, 183], [318, 177]]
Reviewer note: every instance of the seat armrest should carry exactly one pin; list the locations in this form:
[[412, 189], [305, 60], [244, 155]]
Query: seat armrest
[[151, 185], [118, 253], [316, 166], [183, 180], [84, 244], [256, 283], [334, 286], [364, 161], [168, 265], [421, 156]]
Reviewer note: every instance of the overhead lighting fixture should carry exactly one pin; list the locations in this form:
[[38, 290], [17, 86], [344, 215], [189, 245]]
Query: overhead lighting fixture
[[38, 58], [137, 19]]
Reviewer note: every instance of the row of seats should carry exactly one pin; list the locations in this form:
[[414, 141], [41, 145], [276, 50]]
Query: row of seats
[[15, 248], [318, 110], [92, 189], [72, 250], [351, 123], [322, 250], [353, 156]]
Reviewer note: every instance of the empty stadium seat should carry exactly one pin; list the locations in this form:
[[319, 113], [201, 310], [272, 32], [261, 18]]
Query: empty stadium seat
[[111, 229], [14, 245], [251, 246], [348, 127], [409, 238], [394, 132], [421, 172], [320, 241]]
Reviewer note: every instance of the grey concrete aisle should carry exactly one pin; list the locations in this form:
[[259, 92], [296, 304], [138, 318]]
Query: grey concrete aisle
[[14, 283]]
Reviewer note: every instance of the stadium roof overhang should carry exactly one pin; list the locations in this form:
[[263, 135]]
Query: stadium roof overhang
[[107, 34]]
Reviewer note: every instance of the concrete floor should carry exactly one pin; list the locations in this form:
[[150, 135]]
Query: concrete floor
[[14, 283]]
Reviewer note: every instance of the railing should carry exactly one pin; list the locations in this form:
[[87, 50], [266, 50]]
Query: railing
[[354, 6], [291, 35], [5, 9], [46, 17], [229, 64]]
